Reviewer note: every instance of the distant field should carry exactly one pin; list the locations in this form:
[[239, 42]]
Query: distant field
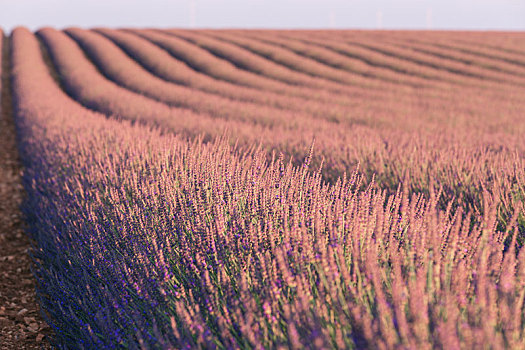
[[274, 189]]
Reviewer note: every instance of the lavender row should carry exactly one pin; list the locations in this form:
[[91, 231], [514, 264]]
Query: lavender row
[[146, 240]]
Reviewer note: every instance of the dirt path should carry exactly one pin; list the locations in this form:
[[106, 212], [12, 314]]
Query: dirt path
[[21, 326]]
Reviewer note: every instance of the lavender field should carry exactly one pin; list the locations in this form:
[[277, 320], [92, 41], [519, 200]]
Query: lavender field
[[274, 189]]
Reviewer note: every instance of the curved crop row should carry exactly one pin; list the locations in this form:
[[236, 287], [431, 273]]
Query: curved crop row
[[506, 43], [391, 60], [151, 57], [181, 48], [494, 42], [378, 60], [439, 100], [441, 47], [203, 61], [336, 60], [116, 65], [439, 88], [511, 61], [492, 69], [297, 61], [392, 57], [343, 148], [92, 270], [260, 65], [444, 66], [82, 80], [421, 161], [458, 43], [485, 68], [256, 63], [298, 57], [145, 240], [424, 163], [159, 62], [123, 70]]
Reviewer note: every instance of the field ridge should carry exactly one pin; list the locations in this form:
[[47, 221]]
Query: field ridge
[[290, 203]]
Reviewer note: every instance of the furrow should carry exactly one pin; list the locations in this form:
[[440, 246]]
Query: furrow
[[159, 62], [258, 63], [483, 67], [333, 59], [426, 60]]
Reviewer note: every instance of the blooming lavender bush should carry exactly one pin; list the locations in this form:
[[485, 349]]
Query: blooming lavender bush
[[147, 240]]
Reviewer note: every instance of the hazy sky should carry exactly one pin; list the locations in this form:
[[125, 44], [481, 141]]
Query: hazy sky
[[409, 14]]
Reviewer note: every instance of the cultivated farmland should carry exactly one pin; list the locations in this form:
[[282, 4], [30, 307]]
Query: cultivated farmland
[[273, 189]]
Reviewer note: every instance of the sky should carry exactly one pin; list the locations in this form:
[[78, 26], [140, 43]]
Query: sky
[[364, 14]]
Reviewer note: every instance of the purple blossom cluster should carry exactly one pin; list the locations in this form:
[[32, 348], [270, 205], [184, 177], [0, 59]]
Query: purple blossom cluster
[[147, 236]]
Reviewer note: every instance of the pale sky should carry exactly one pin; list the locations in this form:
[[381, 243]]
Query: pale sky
[[371, 14]]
